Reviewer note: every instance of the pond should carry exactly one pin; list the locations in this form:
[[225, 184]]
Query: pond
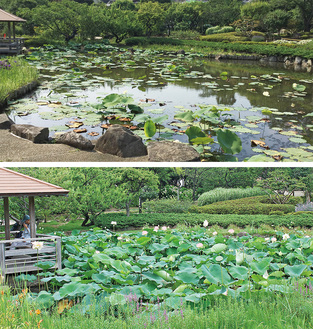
[[265, 112]]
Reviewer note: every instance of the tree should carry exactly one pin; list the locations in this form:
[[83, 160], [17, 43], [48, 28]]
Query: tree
[[132, 183], [151, 16], [280, 186], [305, 8], [120, 23], [275, 20], [61, 19]]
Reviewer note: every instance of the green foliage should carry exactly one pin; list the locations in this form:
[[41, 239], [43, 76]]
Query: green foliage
[[167, 206], [250, 205], [258, 38], [14, 74], [143, 41], [221, 37], [223, 194], [185, 35], [280, 185], [194, 218], [218, 29]]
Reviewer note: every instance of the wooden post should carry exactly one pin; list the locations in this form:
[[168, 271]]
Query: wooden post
[[6, 218], [58, 253], [32, 216], [13, 31], [2, 259], [9, 24]]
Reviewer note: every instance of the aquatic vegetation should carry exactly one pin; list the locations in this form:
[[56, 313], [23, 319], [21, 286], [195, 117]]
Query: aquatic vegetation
[[214, 106]]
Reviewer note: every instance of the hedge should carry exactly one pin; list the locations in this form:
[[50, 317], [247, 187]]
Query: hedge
[[140, 220], [250, 206]]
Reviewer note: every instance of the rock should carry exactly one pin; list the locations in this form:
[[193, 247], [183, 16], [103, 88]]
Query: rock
[[166, 151], [298, 60], [5, 122], [304, 63], [309, 63], [181, 52], [122, 142], [272, 59], [34, 134], [76, 140]]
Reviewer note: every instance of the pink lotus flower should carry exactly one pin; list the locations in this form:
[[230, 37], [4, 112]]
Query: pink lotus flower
[[163, 228], [144, 233], [231, 231], [199, 245], [273, 239], [156, 228], [214, 233]]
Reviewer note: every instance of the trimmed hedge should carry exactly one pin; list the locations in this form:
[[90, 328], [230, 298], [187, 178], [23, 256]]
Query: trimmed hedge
[[140, 220], [167, 206], [250, 206], [223, 194]]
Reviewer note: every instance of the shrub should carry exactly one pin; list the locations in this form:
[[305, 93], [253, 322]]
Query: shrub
[[257, 38], [218, 29], [167, 206], [143, 41], [220, 37], [251, 205], [186, 35], [276, 212], [172, 219], [223, 194]]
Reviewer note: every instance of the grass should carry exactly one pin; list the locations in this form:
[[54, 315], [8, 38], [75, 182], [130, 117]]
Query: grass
[[14, 74], [254, 310], [223, 194]]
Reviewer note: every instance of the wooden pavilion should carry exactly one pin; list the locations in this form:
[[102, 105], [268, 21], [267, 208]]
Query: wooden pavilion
[[23, 257], [9, 44]]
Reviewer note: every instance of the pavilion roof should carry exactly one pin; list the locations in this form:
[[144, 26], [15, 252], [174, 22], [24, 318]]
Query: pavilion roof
[[16, 184], [7, 17]]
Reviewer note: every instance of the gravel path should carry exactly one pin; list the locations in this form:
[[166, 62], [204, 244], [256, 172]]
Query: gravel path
[[16, 149]]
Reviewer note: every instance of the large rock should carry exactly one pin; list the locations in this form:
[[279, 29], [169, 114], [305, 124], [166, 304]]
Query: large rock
[[122, 142], [298, 60], [166, 151], [5, 122], [34, 134], [76, 140]]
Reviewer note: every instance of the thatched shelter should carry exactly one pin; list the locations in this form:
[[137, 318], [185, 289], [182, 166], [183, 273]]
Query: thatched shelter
[[9, 44]]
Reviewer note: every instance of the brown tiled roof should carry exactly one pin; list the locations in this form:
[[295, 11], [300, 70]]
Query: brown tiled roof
[[7, 17], [15, 184]]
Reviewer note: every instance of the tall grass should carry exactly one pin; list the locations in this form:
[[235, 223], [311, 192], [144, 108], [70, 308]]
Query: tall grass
[[254, 310], [224, 194], [14, 73]]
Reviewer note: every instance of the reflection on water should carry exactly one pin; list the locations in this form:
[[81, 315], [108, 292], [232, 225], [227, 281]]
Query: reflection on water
[[247, 89]]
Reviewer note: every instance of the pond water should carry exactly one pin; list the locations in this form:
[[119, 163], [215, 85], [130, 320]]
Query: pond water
[[269, 105]]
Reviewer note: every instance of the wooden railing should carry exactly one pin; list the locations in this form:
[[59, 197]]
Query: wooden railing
[[8, 45], [18, 256]]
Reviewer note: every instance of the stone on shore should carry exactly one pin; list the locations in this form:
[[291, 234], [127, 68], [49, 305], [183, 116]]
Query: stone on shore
[[122, 142], [32, 133], [166, 151], [5, 122], [76, 140]]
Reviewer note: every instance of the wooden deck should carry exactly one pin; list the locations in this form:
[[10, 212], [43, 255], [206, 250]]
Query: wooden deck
[[11, 46], [22, 258]]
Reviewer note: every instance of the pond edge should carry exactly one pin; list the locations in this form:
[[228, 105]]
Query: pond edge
[[18, 93]]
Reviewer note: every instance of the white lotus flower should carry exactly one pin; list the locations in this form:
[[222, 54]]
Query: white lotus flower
[[37, 245], [265, 275], [113, 223], [286, 236], [205, 223], [273, 239]]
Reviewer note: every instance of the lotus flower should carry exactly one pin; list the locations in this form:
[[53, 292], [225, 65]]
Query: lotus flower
[[205, 223], [37, 245], [199, 245]]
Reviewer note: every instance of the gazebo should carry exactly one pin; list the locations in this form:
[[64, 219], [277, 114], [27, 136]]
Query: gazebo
[[23, 257], [10, 44]]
